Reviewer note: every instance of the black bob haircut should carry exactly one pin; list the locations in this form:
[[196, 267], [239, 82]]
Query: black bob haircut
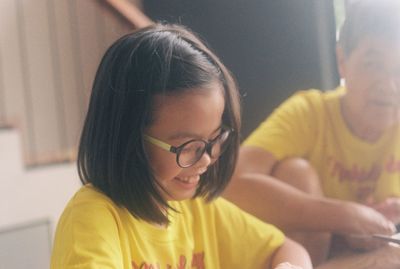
[[160, 59], [369, 18]]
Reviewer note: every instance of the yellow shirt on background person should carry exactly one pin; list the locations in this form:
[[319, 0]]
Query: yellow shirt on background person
[[310, 125], [94, 233]]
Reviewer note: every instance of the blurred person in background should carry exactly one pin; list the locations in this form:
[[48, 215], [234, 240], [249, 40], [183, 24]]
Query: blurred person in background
[[325, 166]]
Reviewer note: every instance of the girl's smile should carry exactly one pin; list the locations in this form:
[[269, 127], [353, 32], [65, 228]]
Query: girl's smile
[[194, 114]]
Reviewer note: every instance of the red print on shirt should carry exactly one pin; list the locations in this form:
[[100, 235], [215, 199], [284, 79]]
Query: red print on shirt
[[392, 165], [355, 173], [363, 180]]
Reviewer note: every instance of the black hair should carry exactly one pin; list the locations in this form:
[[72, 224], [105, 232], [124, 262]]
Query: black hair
[[369, 18], [160, 59]]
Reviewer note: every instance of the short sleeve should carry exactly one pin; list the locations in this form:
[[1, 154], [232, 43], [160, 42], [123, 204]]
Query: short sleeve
[[244, 241], [290, 129], [87, 237]]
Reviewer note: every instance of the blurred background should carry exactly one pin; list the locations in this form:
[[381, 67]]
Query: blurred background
[[49, 51]]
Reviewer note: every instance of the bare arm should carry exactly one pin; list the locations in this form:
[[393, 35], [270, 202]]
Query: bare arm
[[256, 191], [292, 253]]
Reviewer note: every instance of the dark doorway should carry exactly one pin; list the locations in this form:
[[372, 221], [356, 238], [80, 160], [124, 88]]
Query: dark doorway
[[273, 47]]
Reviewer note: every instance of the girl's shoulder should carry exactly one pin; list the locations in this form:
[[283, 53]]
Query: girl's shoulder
[[91, 204], [90, 195]]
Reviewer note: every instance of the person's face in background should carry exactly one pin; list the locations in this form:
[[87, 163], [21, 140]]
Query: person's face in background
[[194, 114], [372, 77]]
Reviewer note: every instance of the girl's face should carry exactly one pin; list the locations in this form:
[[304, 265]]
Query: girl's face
[[193, 114]]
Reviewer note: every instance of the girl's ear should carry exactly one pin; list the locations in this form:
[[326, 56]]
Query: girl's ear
[[340, 59]]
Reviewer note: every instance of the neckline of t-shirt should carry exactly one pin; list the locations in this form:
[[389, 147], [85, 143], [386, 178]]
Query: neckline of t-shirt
[[348, 134]]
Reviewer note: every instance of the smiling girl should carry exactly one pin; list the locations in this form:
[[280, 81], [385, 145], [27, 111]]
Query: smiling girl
[[158, 146]]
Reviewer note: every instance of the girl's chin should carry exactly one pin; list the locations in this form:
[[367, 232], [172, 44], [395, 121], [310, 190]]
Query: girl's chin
[[180, 196], [178, 190]]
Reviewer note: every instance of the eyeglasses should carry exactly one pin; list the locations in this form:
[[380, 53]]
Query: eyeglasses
[[191, 151]]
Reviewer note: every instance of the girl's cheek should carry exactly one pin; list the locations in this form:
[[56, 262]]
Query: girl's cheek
[[167, 169]]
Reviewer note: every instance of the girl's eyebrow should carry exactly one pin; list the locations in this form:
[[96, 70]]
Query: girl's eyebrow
[[188, 135]]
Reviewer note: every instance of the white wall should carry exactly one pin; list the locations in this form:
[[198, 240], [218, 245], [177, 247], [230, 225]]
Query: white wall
[[30, 195]]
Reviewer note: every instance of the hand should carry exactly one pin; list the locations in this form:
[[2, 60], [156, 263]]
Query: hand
[[390, 208], [368, 220], [287, 265], [364, 220]]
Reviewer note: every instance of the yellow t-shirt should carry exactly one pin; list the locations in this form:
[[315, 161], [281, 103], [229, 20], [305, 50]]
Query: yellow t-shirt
[[94, 233], [310, 125]]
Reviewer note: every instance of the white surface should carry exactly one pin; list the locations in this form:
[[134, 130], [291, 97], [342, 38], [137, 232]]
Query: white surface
[[25, 246], [31, 195]]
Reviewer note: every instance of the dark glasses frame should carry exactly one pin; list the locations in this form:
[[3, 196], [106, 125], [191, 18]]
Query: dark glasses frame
[[208, 145]]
